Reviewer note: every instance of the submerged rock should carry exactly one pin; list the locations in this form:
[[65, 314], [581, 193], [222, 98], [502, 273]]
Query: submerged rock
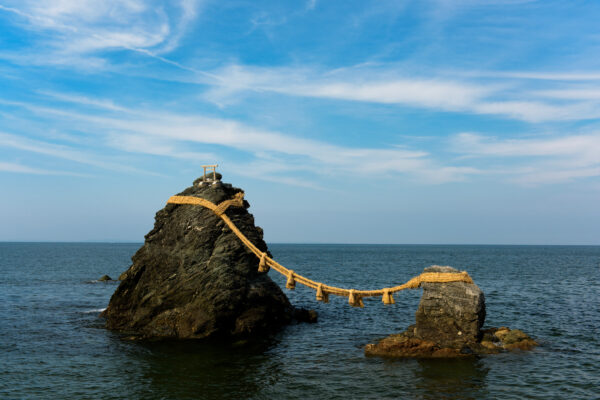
[[510, 339], [193, 278], [448, 324]]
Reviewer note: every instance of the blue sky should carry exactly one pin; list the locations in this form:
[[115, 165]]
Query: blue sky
[[447, 121]]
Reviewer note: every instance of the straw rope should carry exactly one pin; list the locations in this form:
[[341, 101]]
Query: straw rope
[[323, 291]]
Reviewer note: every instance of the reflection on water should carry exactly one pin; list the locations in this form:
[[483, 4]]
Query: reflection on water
[[450, 379], [205, 370]]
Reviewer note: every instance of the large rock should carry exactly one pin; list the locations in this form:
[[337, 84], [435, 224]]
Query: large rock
[[450, 314], [193, 278]]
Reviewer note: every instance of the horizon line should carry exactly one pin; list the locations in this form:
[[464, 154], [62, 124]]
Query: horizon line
[[297, 243]]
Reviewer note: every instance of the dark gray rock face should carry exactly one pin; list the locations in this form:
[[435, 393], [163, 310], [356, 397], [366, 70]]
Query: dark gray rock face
[[193, 278], [450, 313]]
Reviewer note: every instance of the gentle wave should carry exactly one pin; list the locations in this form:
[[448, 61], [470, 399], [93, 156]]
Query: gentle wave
[[95, 310]]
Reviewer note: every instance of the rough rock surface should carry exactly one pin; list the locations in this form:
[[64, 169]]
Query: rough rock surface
[[448, 324], [193, 278], [450, 314], [405, 344]]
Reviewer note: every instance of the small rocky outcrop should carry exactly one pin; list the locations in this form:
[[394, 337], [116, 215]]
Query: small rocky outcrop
[[449, 323], [105, 278], [193, 278]]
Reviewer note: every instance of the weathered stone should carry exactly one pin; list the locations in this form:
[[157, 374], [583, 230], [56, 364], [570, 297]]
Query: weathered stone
[[303, 315], [450, 314], [514, 339], [105, 278], [448, 324], [405, 345], [193, 278]]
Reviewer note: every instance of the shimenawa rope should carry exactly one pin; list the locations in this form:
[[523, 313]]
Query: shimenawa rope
[[323, 291]]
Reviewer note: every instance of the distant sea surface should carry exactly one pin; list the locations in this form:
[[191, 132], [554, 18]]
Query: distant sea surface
[[53, 344]]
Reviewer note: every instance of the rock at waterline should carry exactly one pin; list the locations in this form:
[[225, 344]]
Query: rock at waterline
[[193, 278], [448, 324], [105, 278]]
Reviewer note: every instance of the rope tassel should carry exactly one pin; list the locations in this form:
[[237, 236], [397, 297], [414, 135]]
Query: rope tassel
[[355, 300], [291, 283], [387, 297], [262, 265], [322, 295]]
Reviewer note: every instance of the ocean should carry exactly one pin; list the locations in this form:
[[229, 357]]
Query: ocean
[[53, 344]]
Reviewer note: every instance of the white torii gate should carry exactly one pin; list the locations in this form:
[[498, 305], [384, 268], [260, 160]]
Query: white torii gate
[[207, 179]]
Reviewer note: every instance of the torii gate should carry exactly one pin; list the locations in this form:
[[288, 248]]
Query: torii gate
[[205, 179]]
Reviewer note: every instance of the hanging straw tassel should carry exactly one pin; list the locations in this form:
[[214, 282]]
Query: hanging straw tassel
[[322, 295], [291, 283], [262, 265], [387, 297], [355, 300]]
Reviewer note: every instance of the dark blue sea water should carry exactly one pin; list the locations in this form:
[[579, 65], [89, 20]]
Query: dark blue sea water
[[53, 345]]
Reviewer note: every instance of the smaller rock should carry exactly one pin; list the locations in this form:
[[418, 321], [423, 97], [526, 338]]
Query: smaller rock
[[448, 324], [304, 315], [514, 339], [105, 278]]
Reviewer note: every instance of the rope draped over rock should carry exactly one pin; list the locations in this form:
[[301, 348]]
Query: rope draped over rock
[[323, 291]]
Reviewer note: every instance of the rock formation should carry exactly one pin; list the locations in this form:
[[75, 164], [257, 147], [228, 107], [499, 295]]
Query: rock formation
[[450, 313], [193, 278], [448, 324]]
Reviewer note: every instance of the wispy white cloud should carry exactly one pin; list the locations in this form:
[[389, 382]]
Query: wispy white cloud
[[311, 4], [538, 75], [541, 159], [298, 153], [136, 143], [585, 147], [24, 169], [283, 157], [385, 85], [64, 152], [80, 32], [573, 93], [545, 159], [174, 135], [539, 111], [81, 29]]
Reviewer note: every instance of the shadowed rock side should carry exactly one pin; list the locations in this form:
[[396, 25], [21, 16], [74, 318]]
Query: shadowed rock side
[[448, 324], [193, 278]]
